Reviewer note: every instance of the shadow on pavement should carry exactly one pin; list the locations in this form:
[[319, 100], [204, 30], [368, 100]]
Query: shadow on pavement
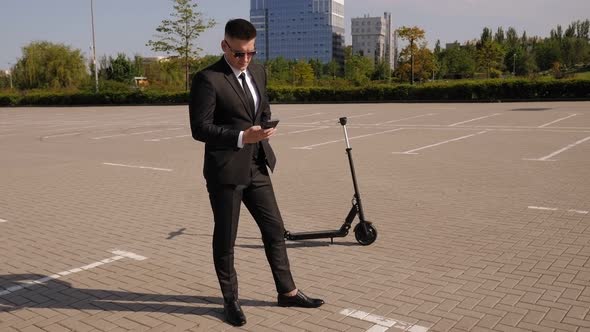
[[290, 244], [181, 231], [58, 294]]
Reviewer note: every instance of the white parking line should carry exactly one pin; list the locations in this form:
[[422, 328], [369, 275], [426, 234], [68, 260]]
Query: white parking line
[[412, 117], [348, 117], [165, 138], [142, 167], [552, 122], [555, 209], [52, 125], [2, 220], [440, 143], [442, 108], [304, 116], [483, 117], [60, 135], [138, 133], [382, 323], [300, 131], [542, 208], [309, 147], [546, 158], [119, 255]]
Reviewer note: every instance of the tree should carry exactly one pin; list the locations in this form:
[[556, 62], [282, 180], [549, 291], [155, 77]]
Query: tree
[[382, 71], [412, 35], [332, 69], [511, 38], [547, 53], [317, 66], [278, 70], [138, 65], [490, 56], [583, 29], [458, 62], [357, 68], [49, 65], [486, 36], [302, 73], [520, 61], [438, 50], [5, 79], [424, 63], [166, 74], [569, 48], [499, 36], [120, 69], [204, 62], [438, 55], [178, 35], [524, 39]]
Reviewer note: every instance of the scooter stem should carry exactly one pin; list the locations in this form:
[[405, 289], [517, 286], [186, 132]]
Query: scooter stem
[[357, 194], [346, 137]]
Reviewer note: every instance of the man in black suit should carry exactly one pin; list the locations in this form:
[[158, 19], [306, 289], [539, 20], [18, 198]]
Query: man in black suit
[[228, 102]]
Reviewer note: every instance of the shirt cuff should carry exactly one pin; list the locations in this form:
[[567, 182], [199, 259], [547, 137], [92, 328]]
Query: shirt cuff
[[240, 140]]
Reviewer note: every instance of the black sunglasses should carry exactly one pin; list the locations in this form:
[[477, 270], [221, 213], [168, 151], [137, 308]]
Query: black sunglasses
[[240, 54]]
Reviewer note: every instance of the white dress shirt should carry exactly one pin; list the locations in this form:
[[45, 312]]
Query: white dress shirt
[[253, 91]]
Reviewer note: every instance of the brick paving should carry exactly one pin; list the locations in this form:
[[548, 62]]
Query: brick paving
[[473, 235]]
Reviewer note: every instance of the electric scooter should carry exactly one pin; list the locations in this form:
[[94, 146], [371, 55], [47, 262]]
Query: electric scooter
[[364, 232]]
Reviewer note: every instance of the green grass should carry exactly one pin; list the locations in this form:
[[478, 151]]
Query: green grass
[[583, 75]]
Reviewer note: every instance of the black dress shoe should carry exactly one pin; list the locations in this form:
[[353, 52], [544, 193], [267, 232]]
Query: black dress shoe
[[299, 300], [234, 314]]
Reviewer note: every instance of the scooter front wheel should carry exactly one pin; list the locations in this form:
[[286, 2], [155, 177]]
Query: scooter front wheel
[[365, 233]]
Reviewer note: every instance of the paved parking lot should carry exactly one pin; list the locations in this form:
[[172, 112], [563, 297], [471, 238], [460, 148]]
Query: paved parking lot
[[482, 212]]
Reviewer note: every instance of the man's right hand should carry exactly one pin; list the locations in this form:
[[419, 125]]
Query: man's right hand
[[256, 134]]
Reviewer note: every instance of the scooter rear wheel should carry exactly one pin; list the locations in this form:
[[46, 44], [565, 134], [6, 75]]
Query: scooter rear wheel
[[365, 233]]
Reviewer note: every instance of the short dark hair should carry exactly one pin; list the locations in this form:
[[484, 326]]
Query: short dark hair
[[240, 29]]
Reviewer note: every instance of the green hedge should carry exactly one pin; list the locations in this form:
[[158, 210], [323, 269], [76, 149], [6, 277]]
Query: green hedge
[[86, 98], [490, 90], [496, 90]]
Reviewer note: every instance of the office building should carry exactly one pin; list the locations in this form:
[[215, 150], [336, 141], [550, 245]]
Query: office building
[[299, 29], [373, 37]]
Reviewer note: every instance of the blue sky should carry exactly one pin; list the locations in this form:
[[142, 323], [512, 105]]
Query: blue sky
[[126, 25]]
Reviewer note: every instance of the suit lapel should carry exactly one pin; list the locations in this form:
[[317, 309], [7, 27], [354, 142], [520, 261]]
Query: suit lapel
[[233, 81], [257, 80]]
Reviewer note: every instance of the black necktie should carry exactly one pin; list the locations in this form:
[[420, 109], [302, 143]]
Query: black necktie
[[249, 98]]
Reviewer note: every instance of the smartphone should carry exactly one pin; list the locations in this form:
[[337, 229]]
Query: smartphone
[[269, 124]]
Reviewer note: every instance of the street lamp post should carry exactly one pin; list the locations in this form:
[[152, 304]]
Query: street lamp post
[[514, 64], [94, 46], [412, 59], [9, 74]]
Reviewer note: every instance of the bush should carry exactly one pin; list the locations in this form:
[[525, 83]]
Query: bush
[[473, 91], [44, 98], [8, 100]]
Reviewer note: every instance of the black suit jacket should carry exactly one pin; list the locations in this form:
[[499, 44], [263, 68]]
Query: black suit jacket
[[218, 112]]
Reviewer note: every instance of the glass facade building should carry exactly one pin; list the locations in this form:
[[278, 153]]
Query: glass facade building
[[299, 29]]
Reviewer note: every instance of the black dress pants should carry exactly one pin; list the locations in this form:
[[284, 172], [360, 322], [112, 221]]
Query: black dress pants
[[258, 196]]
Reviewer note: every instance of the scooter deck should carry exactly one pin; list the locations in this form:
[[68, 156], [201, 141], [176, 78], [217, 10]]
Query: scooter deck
[[315, 235]]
